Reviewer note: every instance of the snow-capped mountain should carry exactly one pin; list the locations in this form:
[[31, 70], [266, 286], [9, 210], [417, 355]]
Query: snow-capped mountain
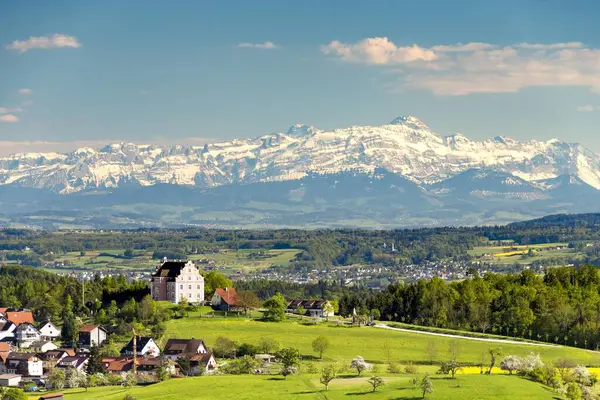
[[406, 146]]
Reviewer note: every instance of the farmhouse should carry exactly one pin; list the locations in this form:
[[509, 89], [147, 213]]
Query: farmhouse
[[224, 299], [175, 348], [203, 362], [91, 335], [173, 280], [78, 362], [144, 346], [313, 308]]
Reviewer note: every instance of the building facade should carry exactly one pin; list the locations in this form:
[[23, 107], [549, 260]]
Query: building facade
[[174, 280]]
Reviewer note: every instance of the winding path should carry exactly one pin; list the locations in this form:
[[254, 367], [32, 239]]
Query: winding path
[[508, 341]]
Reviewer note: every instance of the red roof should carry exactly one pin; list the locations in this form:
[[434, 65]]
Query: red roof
[[4, 346], [3, 310], [18, 317], [89, 328], [228, 295]]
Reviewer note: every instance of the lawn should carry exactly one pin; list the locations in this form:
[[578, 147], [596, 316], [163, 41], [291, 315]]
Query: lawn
[[348, 342], [250, 259], [307, 387], [514, 253]]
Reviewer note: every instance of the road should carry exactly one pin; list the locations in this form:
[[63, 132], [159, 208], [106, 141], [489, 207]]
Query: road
[[508, 341]]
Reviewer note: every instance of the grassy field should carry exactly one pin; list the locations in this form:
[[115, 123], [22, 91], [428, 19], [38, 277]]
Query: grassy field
[[349, 342], [515, 253], [250, 259], [308, 387]]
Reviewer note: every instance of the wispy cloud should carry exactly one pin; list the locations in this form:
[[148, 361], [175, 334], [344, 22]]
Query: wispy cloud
[[55, 41], [6, 110], [462, 69], [25, 91], [9, 118], [265, 45], [587, 108]]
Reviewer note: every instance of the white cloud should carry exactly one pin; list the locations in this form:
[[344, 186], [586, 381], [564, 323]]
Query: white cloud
[[55, 41], [25, 91], [586, 108], [463, 69], [9, 118], [265, 45], [379, 50]]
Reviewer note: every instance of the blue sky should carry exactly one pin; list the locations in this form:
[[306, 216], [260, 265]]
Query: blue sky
[[188, 71]]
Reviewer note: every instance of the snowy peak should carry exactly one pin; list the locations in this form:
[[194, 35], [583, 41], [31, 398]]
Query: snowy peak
[[405, 147], [410, 122]]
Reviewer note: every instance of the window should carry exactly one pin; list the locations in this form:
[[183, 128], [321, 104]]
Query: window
[[181, 287], [198, 295], [190, 287], [197, 286], [189, 295]]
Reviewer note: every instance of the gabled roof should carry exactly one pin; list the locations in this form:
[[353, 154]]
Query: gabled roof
[[4, 346], [142, 341], [26, 325], [20, 356], [19, 317], [307, 304], [7, 326], [180, 346], [170, 269], [3, 310], [228, 295], [90, 328], [74, 361], [201, 358], [120, 365], [44, 323], [52, 355]]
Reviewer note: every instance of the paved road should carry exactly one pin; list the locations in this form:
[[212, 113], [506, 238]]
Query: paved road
[[508, 341]]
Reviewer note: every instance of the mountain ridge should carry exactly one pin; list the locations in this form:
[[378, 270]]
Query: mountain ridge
[[406, 146]]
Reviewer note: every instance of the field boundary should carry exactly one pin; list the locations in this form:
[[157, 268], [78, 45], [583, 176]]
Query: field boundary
[[457, 336]]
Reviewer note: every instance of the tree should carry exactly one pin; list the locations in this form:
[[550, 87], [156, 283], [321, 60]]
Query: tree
[[185, 365], [130, 380], [128, 253], [376, 381], [275, 307], [69, 325], [493, 352], [320, 345], [246, 349], [511, 363], [564, 366], [300, 310], [214, 280], [240, 366], [57, 378], [289, 357], [268, 345], [450, 367], [289, 370], [328, 373], [13, 394], [426, 385], [327, 310], [147, 309], [94, 364], [247, 300], [454, 350], [224, 347], [431, 351], [573, 391], [359, 364]]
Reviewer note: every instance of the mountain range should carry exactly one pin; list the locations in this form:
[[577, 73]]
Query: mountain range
[[401, 174]]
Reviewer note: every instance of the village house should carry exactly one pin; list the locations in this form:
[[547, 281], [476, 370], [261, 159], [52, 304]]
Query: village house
[[151, 365], [18, 317], [78, 362], [174, 280], [202, 363], [312, 308], [51, 358], [26, 334], [175, 348], [224, 299], [49, 331], [26, 364], [91, 335], [144, 346], [10, 380], [7, 331], [118, 365], [42, 346]]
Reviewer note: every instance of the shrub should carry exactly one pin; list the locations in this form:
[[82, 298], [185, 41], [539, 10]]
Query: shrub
[[393, 368], [240, 366], [411, 369], [511, 363], [582, 375]]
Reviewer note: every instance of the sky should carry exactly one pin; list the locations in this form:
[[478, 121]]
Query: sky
[[79, 73]]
